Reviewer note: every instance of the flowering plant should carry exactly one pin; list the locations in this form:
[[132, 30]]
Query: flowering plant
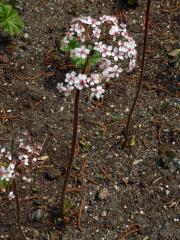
[[102, 48], [15, 162], [107, 46]]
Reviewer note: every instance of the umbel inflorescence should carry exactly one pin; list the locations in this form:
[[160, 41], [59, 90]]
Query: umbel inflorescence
[[17, 161], [107, 47]]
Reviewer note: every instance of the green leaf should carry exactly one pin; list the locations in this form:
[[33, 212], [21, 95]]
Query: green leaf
[[79, 62], [67, 205], [34, 189], [96, 57], [4, 184], [73, 43], [10, 21]]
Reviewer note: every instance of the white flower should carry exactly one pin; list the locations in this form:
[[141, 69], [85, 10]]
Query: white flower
[[97, 32], [65, 42], [123, 25], [11, 166], [112, 72], [78, 29], [132, 64], [105, 63], [109, 19], [90, 21], [80, 81], [122, 47], [97, 92], [81, 52], [7, 173], [117, 54], [34, 160], [11, 195], [105, 50], [116, 70], [114, 31], [93, 79], [70, 78], [3, 150], [61, 87], [69, 89], [124, 33], [132, 42], [25, 179], [106, 75], [130, 50], [29, 148], [98, 46]]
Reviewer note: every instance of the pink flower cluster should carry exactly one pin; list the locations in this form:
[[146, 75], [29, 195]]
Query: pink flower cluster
[[113, 43], [81, 81], [20, 157]]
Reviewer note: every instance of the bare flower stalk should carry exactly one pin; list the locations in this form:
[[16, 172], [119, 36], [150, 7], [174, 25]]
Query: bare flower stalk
[[18, 209], [74, 139], [139, 85]]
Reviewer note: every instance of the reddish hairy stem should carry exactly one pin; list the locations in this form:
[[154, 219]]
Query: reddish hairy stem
[[74, 138], [18, 209], [126, 133]]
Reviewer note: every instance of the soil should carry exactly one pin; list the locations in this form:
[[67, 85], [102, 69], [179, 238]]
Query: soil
[[128, 193]]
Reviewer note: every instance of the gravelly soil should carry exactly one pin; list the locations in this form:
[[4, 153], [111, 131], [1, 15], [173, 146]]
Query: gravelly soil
[[142, 182]]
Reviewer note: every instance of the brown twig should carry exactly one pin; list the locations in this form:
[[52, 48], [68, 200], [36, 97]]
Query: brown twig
[[144, 142], [79, 216], [31, 77], [160, 133], [126, 132], [75, 190], [3, 118], [88, 179], [105, 174], [129, 231], [84, 177], [36, 104], [66, 66], [83, 166], [76, 150]]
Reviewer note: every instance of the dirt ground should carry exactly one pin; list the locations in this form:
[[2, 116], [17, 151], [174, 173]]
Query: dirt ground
[[120, 194]]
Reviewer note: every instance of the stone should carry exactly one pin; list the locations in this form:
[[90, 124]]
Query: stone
[[38, 215], [52, 174], [104, 214], [103, 193]]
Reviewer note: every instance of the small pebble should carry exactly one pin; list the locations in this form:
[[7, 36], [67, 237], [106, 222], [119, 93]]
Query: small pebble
[[167, 192], [126, 110], [103, 193], [104, 214], [26, 35], [96, 218], [38, 215]]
